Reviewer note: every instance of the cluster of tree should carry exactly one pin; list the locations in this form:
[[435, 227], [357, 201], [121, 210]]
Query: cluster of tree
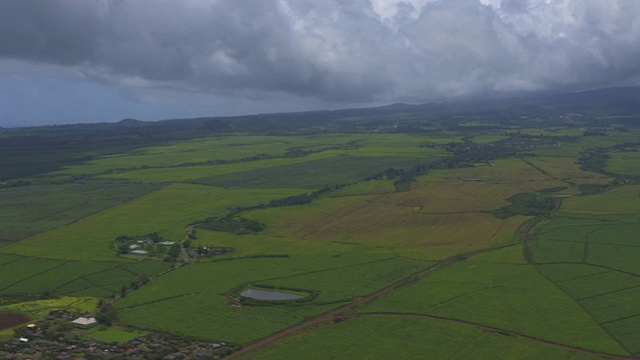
[[528, 204], [594, 160], [122, 243]]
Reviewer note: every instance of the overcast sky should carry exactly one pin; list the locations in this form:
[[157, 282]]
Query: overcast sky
[[68, 61]]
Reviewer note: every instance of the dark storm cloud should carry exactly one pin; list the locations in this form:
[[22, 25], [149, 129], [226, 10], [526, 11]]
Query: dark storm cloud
[[347, 51]]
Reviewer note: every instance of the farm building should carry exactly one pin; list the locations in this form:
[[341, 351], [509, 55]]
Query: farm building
[[84, 323], [139, 252]]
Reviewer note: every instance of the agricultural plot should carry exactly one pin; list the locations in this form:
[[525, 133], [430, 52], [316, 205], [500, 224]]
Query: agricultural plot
[[565, 279], [184, 173], [408, 337], [620, 200], [497, 295], [359, 219], [30, 210], [566, 169], [31, 276], [228, 148], [500, 171], [191, 301], [431, 194], [167, 211], [39, 309], [624, 163], [313, 174]]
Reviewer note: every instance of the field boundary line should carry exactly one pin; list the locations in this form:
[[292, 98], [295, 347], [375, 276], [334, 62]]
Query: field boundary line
[[608, 293], [496, 330], [335, 314], [32, 276], [622, 318], [584, 309]]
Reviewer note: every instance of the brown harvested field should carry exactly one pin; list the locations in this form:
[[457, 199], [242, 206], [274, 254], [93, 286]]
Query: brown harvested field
[[510, 170], [9, 320], [358, 219], [566, 168], [437, 195]]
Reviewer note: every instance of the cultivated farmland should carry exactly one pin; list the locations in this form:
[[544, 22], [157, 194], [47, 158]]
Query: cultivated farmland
[[458, 242]]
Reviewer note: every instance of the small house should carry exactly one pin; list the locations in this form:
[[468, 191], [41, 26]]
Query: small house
[[84, 323]]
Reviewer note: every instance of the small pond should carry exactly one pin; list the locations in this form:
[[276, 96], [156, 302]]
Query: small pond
[[269, 295]]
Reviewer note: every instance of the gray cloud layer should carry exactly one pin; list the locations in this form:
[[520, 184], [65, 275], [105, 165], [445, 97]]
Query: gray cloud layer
[[338, 50]]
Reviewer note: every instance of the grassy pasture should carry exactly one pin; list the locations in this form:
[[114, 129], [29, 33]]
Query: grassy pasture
[[358, 219], [112, 334], [505, 296], [166, 211], [385, 337], [313, 174], [29, 210], [190, 300]]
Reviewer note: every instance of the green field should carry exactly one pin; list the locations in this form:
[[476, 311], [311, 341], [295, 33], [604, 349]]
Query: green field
[[30, 210], [386, 337], [401, 254], [191, 301], [167, 211]]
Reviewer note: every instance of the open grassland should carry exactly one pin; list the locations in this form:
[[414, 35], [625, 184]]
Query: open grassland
[[167, 211], [358, 219], [313, 174], [191, 301], [29, 210], [620, 200], [113, 334], [512, 297], [396, 337]]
